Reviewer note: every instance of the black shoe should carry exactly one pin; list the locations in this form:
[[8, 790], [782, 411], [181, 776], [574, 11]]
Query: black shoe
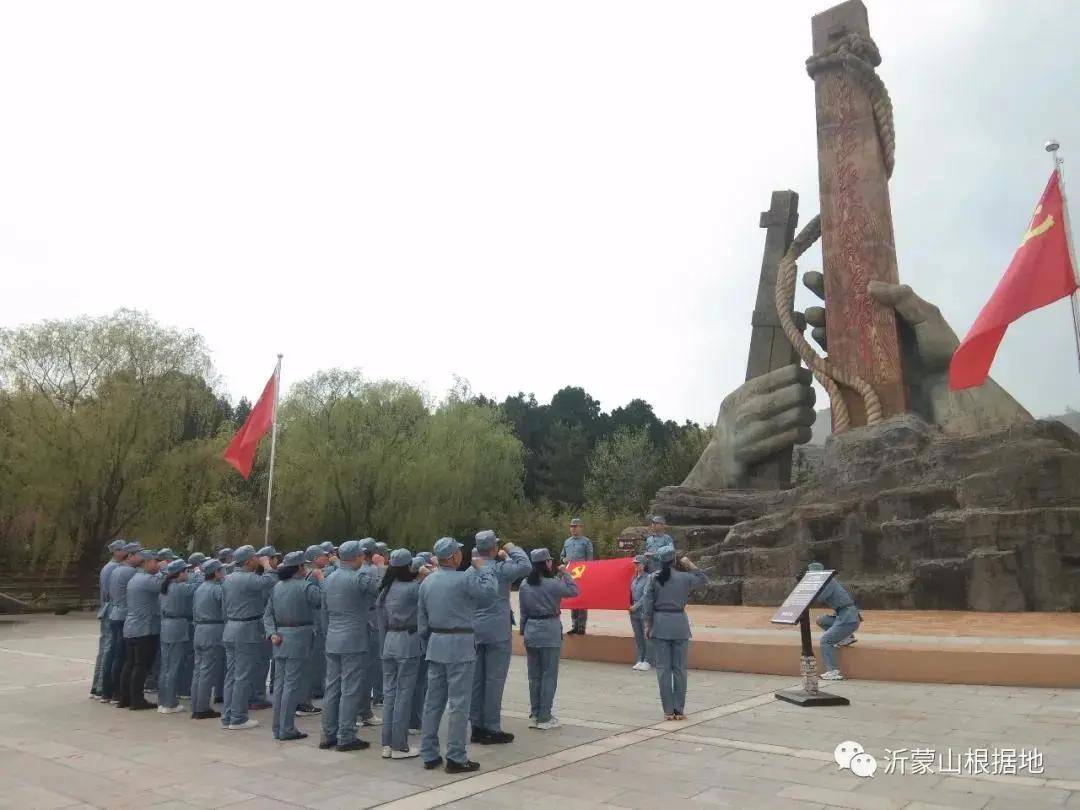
[[354, 745], [296, 735], [123, 705], [432, 764], [207, 714], [468, 766], [259, 705], [479, 735], [142, 707], [326, 745], [307, 710], [498, 738]]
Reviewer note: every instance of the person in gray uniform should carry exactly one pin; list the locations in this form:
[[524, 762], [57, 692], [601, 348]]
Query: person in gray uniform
[[315, 559], [540, 598], [373, 693], [116, 551], [225, 557], [668, 628], [177, 605], [246, 591], [348, 596], [265, 673], [657, 539], [422, 560], [142, 631], [114, 663], [209, 618], [449, 599], [383, 550], [577, 548], [399, 594], [840, 627], [331, 553], [195, 561], [164, 557], [493, 629], [637, 595], [289, 621]]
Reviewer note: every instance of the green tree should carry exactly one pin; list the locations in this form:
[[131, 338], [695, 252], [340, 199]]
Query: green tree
[[622, 471]]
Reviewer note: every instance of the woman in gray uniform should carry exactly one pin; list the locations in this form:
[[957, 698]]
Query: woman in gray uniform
[[177, 598], [637, 595], [668, 628], [209, 617], [396, 603], [540, 599]]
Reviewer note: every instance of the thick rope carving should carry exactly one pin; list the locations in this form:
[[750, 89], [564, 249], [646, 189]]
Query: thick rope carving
[[859, 55]]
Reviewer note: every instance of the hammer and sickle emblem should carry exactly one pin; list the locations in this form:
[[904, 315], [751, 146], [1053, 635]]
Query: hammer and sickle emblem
[[1041, 228], [577, 572]]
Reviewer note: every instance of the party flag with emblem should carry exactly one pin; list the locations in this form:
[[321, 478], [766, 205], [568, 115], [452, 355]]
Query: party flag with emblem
[[1042, 271], [603, 584]]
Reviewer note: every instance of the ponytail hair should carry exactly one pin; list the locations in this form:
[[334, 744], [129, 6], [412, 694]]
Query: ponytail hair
[[665, 573], [540, 569]]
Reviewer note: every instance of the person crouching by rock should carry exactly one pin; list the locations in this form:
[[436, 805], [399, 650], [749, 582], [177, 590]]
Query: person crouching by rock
[[840, 627], [540, 598]]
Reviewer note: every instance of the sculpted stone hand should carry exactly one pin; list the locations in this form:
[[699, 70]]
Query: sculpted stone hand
[[759, 418], [986, 408]]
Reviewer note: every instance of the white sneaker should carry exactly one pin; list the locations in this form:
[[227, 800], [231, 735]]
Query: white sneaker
[[386, 752], [244, 726], [645, 666], [832, 675], [636, 667], [415, 731], [847, 642], [173, 710], [550, 724], [412, 752], [533, 722]]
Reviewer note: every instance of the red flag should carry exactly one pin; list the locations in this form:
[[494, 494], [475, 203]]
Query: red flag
[[604, 584], [241, 450], [1040, 273]]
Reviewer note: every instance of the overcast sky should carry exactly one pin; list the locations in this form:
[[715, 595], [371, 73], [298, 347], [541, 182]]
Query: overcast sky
[[524, 195]]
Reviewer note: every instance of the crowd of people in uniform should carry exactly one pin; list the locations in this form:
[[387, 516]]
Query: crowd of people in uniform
[[359, 625]]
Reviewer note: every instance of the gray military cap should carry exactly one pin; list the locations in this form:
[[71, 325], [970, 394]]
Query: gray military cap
[[196, 558], [577, 522], [166, 554], [369, 546], [224, 554], [539, 555], [486, 540], [131, 548], [401, 556], [145, 554], [175, 567], [267, 551], [426, 556], [382, 548], [116, 545], [417, 563], [815, 566], [666, 554], [349, 550], [658, 519], [293, 558], [311, 552], [640, 559], [210, 566], [327, 546], [445, 548], [243, 554]]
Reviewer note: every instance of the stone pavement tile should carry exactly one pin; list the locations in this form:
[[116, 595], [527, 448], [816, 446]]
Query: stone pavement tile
[[1010, 804], [517, 796], [931, 806], [569, 786], [644, 784], [25, 796], [728, 797], [199, 794], [840, 798], [263, 803], [357, 791], [927, 789], [94, 762], [286, 789], [174, 804]]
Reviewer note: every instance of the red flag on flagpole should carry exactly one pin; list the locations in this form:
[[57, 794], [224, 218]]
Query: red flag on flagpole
[[1040, 273], [241, 450], [603, 584]]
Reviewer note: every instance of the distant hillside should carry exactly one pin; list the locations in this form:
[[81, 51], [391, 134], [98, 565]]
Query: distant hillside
[[823, 423]]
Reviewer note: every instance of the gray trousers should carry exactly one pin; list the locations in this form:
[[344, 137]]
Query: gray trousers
[[419, 694], [489, 681], [543, 665], [208, 668], [375, 668], [315, 675], [399, 682], [289, 684], [261, 672], [104, 642], [578, 618], [834, 631], [344, 682], [671, 655], [155, 670], [640, 641], [242, 661], [449, 689], [173, 654], [113, 664], [187, 673]]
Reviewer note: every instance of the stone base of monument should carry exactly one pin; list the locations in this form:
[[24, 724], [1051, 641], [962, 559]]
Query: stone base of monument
[[800, 697], [909, 517]]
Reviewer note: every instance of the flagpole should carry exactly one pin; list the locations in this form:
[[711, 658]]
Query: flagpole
[[1052, 147], [273, 448]]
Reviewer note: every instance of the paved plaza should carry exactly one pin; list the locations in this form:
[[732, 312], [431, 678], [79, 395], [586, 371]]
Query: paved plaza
[[739, 748]]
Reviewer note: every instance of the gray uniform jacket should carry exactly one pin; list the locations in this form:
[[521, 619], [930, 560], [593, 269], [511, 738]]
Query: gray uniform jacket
[[655, 542], [291, 612], [665, 604], [575, 549], [209, 614], [118, 584], [637, 592], [540, 606], [397, 607], [348, 597], [143, 607], [836, 596], [177, 611], [320, 614], [245, 596], [448, 601], [492, 621], [103, 591]]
